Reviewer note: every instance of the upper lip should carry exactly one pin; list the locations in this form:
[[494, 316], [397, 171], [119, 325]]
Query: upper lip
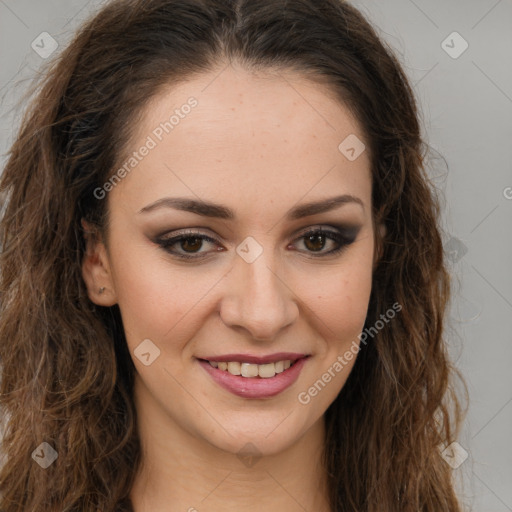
[[248, 358]]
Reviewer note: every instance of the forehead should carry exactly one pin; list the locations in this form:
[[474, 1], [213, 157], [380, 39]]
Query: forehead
[[234, 135]]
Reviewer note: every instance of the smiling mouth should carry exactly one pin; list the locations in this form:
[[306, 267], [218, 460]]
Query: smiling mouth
[[251, 370], [252, 380]]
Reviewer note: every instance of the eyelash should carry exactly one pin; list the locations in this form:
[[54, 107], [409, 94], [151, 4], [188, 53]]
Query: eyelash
[[342, 240]]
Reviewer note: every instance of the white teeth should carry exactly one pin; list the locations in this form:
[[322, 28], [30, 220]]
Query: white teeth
[[279, 366], [266, 370], [234, 368], [249, 370]]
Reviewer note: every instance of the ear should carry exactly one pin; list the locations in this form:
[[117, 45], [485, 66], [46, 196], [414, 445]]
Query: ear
[[96, 270], [379, 243]]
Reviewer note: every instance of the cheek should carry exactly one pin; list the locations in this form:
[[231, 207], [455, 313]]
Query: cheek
[[339, 301], [345, 307], [153, 297]]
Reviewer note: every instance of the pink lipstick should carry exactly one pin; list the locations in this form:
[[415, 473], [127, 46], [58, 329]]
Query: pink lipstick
[[255, 386]]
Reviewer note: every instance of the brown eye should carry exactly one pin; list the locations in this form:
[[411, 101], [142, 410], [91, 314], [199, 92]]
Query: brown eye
[[317, 239], [315, 242], [189, 243]]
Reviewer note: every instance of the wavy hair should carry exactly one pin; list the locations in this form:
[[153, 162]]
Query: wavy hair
[[67, 375]]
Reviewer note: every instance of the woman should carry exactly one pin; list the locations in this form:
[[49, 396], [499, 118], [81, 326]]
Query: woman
[[222, 276]]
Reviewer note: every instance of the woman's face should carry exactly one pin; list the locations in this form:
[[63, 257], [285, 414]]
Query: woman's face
[[248, 157]]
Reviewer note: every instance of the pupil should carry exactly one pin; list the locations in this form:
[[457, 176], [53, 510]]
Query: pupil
[[315, 246], [186, 242]]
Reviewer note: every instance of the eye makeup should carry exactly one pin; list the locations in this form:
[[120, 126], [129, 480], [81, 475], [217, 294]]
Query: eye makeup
[[186, 244]]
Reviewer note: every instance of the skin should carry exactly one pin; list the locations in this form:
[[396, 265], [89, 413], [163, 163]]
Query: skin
[[259, 144]]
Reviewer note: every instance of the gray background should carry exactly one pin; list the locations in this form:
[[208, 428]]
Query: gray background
[[466, 110]]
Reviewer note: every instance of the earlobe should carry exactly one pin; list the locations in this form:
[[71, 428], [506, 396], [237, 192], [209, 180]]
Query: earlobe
[[96, 268]]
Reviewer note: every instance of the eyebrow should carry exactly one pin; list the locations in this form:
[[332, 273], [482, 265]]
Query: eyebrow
[[209, 209]]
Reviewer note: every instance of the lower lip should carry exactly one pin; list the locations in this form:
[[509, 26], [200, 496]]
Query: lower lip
[[255, 387]]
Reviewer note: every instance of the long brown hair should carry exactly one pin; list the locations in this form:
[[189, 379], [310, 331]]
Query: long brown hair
[[67, 376]]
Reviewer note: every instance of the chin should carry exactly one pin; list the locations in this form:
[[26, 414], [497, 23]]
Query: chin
[[265, 435]]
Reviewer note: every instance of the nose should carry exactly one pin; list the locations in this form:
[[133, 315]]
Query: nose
[[258, 299]]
